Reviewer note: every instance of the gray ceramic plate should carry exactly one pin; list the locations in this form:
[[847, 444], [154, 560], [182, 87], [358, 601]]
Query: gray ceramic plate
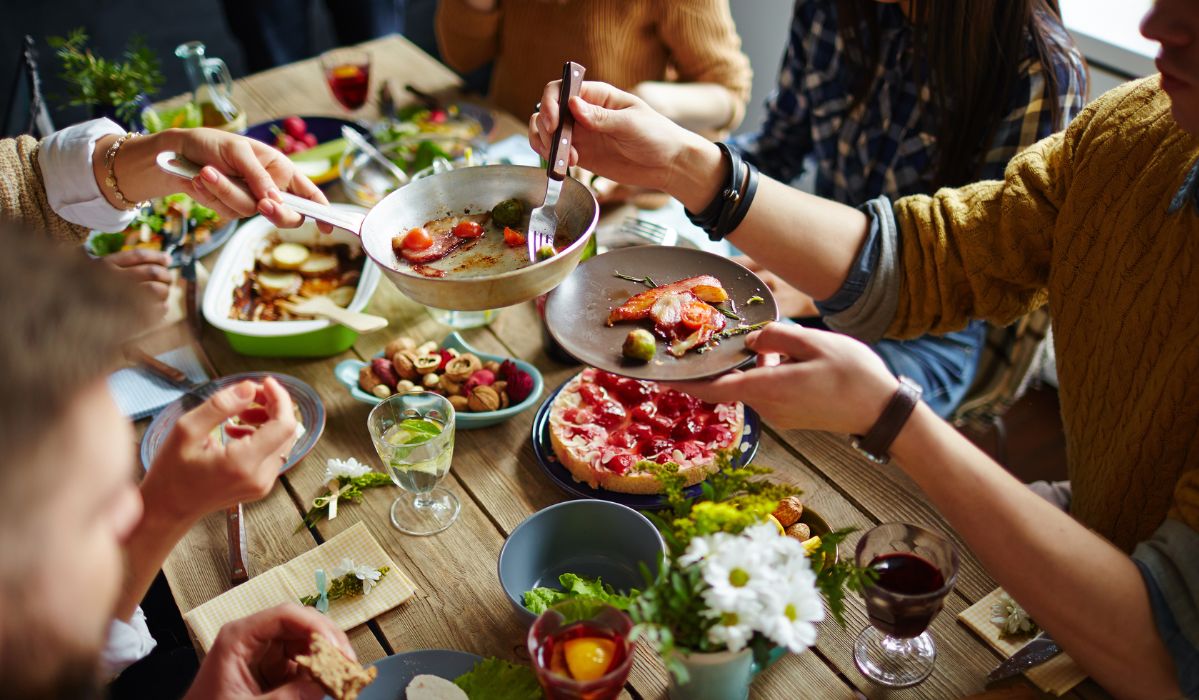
[[398, 670], [577, 311]]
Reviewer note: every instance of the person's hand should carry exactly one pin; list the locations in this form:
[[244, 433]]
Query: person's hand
[[195, 474], [616, 135], [806, 379], [254, 657], [792, 303], [147, 268], [265, 170]]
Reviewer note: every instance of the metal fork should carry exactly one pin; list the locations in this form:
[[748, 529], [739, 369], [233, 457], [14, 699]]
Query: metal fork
[[543, 222], [635, 231]]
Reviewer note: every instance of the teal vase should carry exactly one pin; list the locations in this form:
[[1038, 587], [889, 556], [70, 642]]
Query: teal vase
[[720, 675]]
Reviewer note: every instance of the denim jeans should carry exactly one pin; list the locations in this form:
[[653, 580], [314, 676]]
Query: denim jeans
[[944, 365]]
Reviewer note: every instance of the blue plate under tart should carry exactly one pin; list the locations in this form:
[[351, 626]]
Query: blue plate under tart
[[312, 415], [561, 476]]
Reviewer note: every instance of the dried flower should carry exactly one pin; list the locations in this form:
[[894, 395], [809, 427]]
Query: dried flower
[[520, 384], [1012, 619]]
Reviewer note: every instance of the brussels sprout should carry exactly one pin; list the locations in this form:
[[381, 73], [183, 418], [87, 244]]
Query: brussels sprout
[[640, 345], [509, 212]]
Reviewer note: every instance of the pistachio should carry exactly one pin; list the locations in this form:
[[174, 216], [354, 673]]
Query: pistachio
[[462, 367], [427, 364], [484, 398], [381, 391], [398, 345], [504, 402], [431, 381], [460, 403], [501, 387], [404, 362], [493, 366], [404, 386], [426, 348]]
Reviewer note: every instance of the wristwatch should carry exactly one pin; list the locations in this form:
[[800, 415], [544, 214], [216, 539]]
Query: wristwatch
[[876, 443]]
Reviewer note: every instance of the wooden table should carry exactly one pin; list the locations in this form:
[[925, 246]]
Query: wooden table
[[459, 604]]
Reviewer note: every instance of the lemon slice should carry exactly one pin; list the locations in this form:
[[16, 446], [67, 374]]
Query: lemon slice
[[779, 526], [811, 545]]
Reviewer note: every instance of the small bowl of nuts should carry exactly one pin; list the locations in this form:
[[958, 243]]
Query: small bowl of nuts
[[485, 389]]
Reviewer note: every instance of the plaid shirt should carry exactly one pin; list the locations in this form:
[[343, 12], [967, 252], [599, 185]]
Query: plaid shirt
[[887, 147]]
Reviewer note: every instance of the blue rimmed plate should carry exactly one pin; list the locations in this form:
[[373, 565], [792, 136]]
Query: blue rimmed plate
[[312, 415], [544, 450], [346, 372], [398, 670]]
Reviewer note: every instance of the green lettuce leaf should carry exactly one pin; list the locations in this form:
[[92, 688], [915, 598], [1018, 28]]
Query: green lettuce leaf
[[496, 679], [540, 599], [107, 243]]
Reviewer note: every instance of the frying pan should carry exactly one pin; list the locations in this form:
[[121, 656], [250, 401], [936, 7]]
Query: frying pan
[[488, 276]]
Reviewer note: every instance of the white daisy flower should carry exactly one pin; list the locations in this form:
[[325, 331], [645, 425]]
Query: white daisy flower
[[791, 613], [349, 468], [362, 572], [731, 632]]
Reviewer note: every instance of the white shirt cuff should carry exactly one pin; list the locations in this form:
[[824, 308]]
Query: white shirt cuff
[[65, 158], [128, 643]]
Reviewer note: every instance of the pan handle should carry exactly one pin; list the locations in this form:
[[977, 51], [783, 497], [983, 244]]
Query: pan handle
[[176, 164]]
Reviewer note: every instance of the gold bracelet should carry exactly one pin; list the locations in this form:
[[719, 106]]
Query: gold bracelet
[[110, 159]]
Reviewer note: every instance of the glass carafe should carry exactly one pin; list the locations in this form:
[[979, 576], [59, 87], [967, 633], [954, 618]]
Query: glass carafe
[[212, 88]]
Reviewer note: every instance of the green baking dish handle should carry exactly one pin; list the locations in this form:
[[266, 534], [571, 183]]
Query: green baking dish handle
[[320, 343]]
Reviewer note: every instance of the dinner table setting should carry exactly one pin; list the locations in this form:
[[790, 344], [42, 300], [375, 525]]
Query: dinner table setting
[[489, 490]]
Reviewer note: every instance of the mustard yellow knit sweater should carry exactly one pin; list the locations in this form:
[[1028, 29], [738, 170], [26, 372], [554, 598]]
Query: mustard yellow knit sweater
[[1080, 222], [23, 202], [622, 42]]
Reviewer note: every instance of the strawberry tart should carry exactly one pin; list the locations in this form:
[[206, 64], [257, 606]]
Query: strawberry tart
[[603, 427]]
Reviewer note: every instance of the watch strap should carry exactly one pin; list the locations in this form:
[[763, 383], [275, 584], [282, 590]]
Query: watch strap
[[876, 443]]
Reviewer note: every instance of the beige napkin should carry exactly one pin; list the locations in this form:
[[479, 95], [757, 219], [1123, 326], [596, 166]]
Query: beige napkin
[[1058, 675], [297, 578]]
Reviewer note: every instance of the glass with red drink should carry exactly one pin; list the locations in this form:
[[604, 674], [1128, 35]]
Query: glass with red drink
[[916, 568], [581, 650], [348, 73]]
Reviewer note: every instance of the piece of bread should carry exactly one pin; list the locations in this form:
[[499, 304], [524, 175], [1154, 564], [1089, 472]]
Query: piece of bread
[[341, 677], [426, 687], [584, 461]]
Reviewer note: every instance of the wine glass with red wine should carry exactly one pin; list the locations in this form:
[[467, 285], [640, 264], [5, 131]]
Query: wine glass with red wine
[[348, 73], [916, 569]]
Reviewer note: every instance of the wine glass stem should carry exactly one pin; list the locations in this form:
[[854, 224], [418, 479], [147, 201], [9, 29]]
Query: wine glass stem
[[421, 501]]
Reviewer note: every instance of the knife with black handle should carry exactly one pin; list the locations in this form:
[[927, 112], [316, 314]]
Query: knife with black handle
[[1041, 649]]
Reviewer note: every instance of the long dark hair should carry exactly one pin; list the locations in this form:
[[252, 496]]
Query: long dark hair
[[973, 49]]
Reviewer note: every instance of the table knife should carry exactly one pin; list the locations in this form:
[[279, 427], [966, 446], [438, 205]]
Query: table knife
[[235, 526], [188, 271], [1038, 651]]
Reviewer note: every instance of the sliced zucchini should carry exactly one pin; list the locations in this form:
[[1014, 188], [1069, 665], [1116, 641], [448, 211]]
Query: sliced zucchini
[[319, 264], [279, 283], [289, 256]]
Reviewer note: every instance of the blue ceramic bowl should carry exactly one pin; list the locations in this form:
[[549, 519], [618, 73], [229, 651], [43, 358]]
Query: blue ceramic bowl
[[325, 129], [346, 372], [589, 538]]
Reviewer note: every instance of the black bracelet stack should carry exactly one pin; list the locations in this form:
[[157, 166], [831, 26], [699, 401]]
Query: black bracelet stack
[[728, 209]]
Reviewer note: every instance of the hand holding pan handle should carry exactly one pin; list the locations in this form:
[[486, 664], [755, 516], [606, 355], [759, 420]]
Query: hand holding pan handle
[[175, 164]]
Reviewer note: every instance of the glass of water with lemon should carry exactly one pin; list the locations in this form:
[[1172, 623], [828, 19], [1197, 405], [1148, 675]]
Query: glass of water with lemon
[[414, 436]]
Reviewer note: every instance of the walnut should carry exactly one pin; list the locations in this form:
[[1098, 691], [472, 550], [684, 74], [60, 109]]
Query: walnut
[[431, 380], [427, 364], [399, 345], [368, 380], [460, 403], [462, 367], [799, 531], [449, 386], [404, 362], [484, 398], [789, 511]]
